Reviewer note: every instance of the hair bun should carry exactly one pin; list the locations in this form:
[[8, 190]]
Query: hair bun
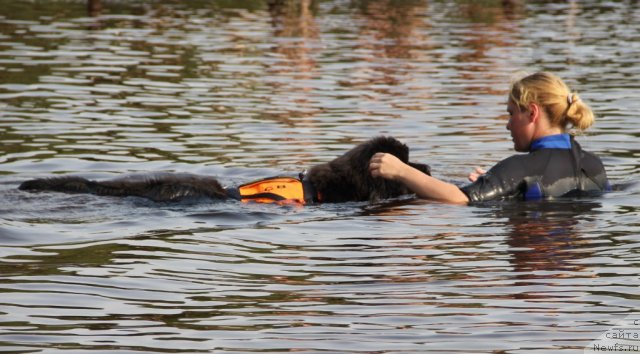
[[572, 97]]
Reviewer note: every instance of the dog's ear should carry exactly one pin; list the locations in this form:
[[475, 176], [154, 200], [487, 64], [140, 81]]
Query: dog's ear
[[390, 145], [424, 168]]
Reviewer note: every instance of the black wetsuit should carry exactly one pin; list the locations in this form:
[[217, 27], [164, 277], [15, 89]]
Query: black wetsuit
[[556, 166]]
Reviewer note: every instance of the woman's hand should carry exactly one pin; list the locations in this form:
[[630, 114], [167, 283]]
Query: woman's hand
[[473, 176], [386, 166]]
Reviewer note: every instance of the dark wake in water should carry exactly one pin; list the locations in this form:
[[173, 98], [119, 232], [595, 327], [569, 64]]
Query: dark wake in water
[[50, 217]]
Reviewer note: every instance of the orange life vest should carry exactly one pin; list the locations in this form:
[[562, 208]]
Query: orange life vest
[[281, 190]]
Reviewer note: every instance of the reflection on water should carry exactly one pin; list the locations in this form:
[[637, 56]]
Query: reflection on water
[[246, 89], [546, 236]]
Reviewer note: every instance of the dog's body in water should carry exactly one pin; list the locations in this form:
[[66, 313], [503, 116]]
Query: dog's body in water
[[343, 179]]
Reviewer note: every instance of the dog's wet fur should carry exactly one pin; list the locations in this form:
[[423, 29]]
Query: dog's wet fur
[[344, 179]]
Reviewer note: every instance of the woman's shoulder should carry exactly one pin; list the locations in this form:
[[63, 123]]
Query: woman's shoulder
[[584, 153], [589, 161], [517, 161]]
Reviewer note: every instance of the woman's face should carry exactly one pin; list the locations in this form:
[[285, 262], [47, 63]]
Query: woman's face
[[521, 127]]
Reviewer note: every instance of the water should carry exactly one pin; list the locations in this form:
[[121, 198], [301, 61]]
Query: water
[[239, 90]]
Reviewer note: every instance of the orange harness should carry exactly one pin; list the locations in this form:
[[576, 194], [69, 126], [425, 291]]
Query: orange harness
[[281, 190]]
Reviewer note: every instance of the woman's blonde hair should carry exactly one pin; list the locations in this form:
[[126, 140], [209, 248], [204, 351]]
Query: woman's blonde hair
[[563, 107]]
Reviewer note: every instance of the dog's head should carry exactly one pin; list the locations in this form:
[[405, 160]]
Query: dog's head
[[347, 177]]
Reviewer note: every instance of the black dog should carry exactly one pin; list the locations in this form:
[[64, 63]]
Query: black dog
[[343, 179]]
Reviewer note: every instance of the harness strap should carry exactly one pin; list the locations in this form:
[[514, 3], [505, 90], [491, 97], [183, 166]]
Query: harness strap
[[311, 195], [585, 172], [309, 192], [577, 165]]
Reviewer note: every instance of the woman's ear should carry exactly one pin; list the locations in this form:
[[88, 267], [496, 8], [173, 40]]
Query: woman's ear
[[534, 112]]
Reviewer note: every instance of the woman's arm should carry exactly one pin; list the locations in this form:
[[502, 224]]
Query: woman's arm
[[424, 186]]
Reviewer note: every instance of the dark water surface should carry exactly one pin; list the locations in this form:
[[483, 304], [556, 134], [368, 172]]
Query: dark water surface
[[241, 90]]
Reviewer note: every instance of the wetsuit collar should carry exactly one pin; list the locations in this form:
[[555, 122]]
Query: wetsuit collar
[[557, 141]]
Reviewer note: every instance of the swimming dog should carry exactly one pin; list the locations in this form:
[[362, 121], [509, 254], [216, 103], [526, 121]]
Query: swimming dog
[[343, 179]]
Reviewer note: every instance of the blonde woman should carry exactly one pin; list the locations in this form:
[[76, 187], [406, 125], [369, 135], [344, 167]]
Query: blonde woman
[[541, 111]]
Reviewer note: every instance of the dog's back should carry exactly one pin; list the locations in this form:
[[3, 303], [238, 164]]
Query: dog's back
[[163, 187]]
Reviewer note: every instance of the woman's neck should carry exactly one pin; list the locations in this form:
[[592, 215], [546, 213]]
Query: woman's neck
[[544, 128]]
